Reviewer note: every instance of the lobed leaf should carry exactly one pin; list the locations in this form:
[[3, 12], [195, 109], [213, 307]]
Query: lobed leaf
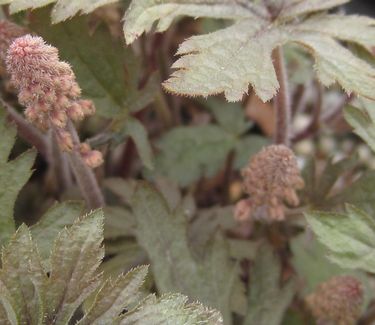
[[230, 59], [75, 257], [350, 237]]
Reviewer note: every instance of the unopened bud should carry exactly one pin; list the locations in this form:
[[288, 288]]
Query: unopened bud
[[272, 178], [92, 158], [58, 118], [338, 300], [75, 112], [87, 106]]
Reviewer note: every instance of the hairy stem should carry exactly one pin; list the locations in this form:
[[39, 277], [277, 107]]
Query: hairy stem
[[27, 132], [282, 100], [84, 175], [60, 165]]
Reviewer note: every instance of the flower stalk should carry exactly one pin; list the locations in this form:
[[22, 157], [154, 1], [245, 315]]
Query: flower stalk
[[282, 100]]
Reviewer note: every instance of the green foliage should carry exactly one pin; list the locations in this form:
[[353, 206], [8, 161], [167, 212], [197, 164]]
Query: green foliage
[[350, 237], [51, 223], [230, 59], [162, 233], [29, 296], [13, 176], [360, 194], [63, 8], [268, 301], [188, 153], [363, 122], [317, 190]]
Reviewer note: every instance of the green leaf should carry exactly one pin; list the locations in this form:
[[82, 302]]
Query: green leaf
[[119, 222], [229, 115], [312, 265], [113, 297], [228, 60], [162, 233], [267, 300], [360, 194], [350, 237], [13, 176], [170, 310], [58, 217], [22, 279], [293, 8], [248, 146], [31, 295], [63, 9], [363, 124], [143, 13], [189, 153], [76, 254], [128, 255]]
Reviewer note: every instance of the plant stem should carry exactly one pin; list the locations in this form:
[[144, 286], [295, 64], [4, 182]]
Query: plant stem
[[60, 164], [282, 100], [84, 175], [28, 132]]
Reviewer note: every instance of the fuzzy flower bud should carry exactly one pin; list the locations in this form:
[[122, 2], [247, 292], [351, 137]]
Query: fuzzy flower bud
[[337, 300], [39, 75], [92, 158], [270, 179]]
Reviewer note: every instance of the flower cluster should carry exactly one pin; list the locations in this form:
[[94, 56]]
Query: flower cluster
[[49, 91], [338, 300], [270, 179]]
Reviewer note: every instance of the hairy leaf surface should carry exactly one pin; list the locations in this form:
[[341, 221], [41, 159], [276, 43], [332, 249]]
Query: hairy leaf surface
[[76, 255], [230, 59], [171, 310], [30, 294], [114, 296]]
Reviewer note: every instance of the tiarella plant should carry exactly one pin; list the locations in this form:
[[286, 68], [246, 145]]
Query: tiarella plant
[[236, 180]]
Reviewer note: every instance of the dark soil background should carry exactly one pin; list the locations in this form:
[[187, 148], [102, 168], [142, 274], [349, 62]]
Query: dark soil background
[[364, 7]]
